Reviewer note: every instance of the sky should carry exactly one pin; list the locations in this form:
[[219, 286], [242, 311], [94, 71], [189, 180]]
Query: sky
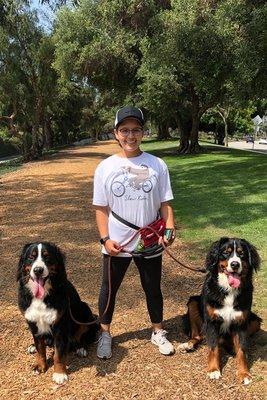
[[45, 14]]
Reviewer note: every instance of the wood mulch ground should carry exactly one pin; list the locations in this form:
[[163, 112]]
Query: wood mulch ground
[[51, 200]]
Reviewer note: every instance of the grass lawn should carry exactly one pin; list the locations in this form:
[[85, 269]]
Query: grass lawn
[[220, 192], [10, 166]]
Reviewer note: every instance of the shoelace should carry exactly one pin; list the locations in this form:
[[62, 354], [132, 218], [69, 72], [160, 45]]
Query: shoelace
[[162, 336], [104, 339]]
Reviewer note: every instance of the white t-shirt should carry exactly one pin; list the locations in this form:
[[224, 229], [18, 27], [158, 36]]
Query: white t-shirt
[[133, 188]]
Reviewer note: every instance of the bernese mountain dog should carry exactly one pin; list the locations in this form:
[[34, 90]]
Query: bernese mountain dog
[[50, 304], [222, 313]]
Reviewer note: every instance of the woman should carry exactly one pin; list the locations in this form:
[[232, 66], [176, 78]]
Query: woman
[[131, 189]]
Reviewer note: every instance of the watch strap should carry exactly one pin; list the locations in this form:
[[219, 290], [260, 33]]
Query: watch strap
[[104, 239]]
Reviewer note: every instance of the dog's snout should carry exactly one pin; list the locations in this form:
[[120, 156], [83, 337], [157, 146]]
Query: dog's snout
[[38, 270], [235, 265]]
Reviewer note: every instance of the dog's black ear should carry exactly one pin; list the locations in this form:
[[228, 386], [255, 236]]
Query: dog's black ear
[[253, 255], [61, 259], [213, 253], [22, 260]]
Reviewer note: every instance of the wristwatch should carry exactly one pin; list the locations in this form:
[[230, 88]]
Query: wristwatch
[[104, 239]]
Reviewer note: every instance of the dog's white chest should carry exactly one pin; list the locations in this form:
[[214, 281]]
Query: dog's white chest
[[227, 312], [42, 315]]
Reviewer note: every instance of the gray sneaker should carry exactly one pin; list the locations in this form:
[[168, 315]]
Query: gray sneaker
[[104, 346], [159, 339]]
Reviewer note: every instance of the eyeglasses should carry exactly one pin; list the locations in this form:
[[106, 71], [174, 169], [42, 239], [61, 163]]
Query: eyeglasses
[[134, 131]]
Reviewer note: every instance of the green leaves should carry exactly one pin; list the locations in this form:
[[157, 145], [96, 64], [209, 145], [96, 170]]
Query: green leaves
[[176, 59]]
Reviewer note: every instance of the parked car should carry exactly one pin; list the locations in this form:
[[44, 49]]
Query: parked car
[[249, 139], [263, 141]]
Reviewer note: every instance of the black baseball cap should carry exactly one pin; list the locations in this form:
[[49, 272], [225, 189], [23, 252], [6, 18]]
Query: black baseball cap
[[129, 112]]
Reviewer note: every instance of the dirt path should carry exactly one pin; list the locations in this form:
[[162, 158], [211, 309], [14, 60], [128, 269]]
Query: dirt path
[[51, 200]]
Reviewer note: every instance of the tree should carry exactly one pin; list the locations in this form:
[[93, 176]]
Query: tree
[[246, 85], [27, 79], [176, 59], [229, 120], [99, 42], [202, 48], [196, 57]]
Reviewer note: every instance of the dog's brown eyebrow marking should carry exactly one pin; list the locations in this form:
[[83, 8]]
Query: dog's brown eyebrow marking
[[223, 265]]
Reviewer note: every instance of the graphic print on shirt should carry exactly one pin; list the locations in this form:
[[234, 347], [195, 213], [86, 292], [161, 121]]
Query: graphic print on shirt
[[132, 179]]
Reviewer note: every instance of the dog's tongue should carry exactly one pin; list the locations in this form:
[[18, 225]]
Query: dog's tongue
[[234, 280], [38, 288]]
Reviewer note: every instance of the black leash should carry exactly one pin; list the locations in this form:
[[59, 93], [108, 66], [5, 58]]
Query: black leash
[[97, 320]]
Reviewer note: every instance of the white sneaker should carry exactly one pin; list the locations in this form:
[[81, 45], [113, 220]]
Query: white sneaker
[[159, 339], [104, 346]]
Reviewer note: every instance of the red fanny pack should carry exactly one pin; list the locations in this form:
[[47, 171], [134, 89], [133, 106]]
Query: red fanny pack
[[148, 243], [148, 237]]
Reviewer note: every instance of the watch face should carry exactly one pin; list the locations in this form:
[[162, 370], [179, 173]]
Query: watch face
[[103, 240]]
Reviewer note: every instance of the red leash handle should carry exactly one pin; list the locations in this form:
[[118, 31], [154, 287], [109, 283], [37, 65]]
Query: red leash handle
[[199, 269]]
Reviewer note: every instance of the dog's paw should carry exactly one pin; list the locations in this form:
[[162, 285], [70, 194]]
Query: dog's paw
[[214, 374], [247, 380], [31, 349], [186, 347], [244, 378], [39, 369], [81, 352], [60, 379]]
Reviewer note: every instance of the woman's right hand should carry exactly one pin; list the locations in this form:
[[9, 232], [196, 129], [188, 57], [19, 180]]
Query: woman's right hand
[[112, 247]]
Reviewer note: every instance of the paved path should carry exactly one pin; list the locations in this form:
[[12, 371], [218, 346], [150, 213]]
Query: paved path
[[242, 145], [9, 158]]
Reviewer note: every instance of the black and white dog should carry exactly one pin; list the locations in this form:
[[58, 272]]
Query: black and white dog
[[49, 302], [223, 311]]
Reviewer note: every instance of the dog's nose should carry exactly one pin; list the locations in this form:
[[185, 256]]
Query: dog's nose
[[38, 270], [235, 265]]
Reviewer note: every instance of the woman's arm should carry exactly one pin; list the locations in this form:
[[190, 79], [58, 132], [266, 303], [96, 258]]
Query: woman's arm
[[166, 212], [102, 220], [111, 246]]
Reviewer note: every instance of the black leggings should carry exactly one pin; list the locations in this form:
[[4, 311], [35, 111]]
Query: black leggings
[[150, 275]]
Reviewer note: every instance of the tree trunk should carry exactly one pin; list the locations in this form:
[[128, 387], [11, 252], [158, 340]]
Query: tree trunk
[[184, 142], [216, 135], [224, 113], [95, 134], [194, 146], [226, 132], [163, 132], [47, 133], [184, 124], [26, 146], [37, 142]]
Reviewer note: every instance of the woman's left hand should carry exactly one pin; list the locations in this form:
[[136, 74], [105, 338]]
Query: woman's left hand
[[168, 238]]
